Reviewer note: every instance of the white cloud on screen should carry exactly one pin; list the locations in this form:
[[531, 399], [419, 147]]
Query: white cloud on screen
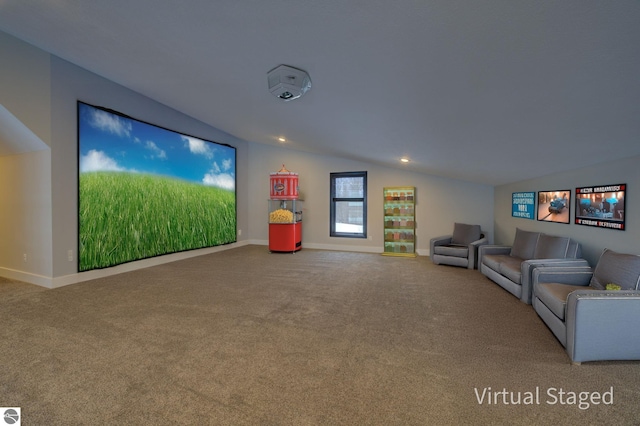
[[198, 146], [223, 180], [98, 161], [157, 152], [110, 123]]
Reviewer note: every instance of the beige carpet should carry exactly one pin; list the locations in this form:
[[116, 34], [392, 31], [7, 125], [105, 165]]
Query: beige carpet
[[245, 337]]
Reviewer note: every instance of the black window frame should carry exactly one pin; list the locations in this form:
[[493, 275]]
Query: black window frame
[[333, 200]]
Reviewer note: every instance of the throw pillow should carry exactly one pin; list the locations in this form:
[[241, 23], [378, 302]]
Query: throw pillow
[[464, 234], [524, 244]]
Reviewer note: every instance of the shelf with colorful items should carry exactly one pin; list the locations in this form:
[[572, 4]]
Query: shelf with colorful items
[[399, 221]]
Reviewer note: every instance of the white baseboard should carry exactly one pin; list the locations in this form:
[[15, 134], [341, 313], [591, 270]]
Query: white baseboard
[[50, 282], [334, 247], [26, 277], [340, 247]]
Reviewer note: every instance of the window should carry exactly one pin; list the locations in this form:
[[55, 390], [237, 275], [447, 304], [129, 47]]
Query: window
[[348, 203]]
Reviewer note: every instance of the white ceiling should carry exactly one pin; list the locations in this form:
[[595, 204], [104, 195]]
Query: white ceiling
[[491, 91]]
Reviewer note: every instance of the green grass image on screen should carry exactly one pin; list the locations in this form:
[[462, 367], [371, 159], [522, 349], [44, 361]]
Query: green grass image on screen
[[131, 216]]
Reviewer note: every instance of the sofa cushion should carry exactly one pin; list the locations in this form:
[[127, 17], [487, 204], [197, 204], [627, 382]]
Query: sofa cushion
[[554, 296], [510, 267], [464, 234], [524, 244], [551, 247], [493, 261], [617, 268], [452, 250]]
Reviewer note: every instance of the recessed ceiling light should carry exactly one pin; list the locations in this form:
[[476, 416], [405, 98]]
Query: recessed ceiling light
[[404, 160], [281, 139]]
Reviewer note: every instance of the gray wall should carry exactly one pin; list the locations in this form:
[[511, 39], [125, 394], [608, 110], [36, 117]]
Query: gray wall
[[439, 202], [25, 174], [38, 190], [70, 84], [593, 240], [25, 215]]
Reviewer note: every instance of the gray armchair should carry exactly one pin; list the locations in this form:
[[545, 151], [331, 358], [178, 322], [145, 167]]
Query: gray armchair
[[591, 322], [459, 249]]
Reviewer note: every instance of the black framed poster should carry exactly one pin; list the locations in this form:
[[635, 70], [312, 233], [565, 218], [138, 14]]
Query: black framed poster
[[601, 206], [554, 206]]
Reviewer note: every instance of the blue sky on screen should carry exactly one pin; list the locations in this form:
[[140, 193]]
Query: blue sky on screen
[[110, 142]]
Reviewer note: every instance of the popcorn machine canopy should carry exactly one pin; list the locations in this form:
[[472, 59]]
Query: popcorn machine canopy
[[283, 185]]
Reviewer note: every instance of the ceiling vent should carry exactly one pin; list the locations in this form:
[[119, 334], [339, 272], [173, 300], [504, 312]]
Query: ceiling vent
[[288, 83]]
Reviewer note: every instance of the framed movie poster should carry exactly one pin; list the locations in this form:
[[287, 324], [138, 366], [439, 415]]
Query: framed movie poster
[[554, 206], [601, 206], [523, 204]]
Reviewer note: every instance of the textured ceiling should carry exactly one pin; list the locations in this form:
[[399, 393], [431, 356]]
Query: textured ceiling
[[485, 91]]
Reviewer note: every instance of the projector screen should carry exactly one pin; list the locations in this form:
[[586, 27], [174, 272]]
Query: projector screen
[[145, 191]]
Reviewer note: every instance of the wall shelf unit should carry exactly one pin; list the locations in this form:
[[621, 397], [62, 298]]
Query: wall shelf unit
[[399, 221]]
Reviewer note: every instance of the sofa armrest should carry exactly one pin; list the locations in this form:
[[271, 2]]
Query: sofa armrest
[[473, 251], [601, 325], [439, 241], [492, 249], [480, 242], [529, 266]]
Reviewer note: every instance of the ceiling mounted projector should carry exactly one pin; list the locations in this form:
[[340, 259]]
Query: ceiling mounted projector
[[288, 83]]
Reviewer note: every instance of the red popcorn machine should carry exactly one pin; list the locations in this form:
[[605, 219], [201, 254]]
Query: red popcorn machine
[[285, 212]]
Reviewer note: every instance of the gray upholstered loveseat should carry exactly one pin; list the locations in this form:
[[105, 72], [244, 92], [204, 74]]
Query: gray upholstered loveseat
[[591, 322], [511, 266]]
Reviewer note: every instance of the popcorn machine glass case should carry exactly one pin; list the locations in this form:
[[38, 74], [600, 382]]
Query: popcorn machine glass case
[[285, 225]]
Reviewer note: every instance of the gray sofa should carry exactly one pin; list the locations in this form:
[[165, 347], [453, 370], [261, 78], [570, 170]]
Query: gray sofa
[[511, 266], [591, 322], [459, 248]]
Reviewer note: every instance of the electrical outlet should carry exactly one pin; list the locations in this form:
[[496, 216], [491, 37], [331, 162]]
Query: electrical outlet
[[70, 255], [239, 232], [24, 257]]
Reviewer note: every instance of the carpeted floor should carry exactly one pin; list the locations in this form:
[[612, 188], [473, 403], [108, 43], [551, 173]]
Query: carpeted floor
[[245, 337]]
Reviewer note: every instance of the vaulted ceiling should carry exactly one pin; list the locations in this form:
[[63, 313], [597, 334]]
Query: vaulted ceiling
[[492, 91]]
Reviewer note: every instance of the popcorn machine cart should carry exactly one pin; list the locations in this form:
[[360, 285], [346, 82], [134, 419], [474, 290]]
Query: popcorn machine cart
[[285, 225], [285, 212]]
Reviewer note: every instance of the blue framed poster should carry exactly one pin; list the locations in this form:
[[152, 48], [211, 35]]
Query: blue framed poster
[[523, 205]]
